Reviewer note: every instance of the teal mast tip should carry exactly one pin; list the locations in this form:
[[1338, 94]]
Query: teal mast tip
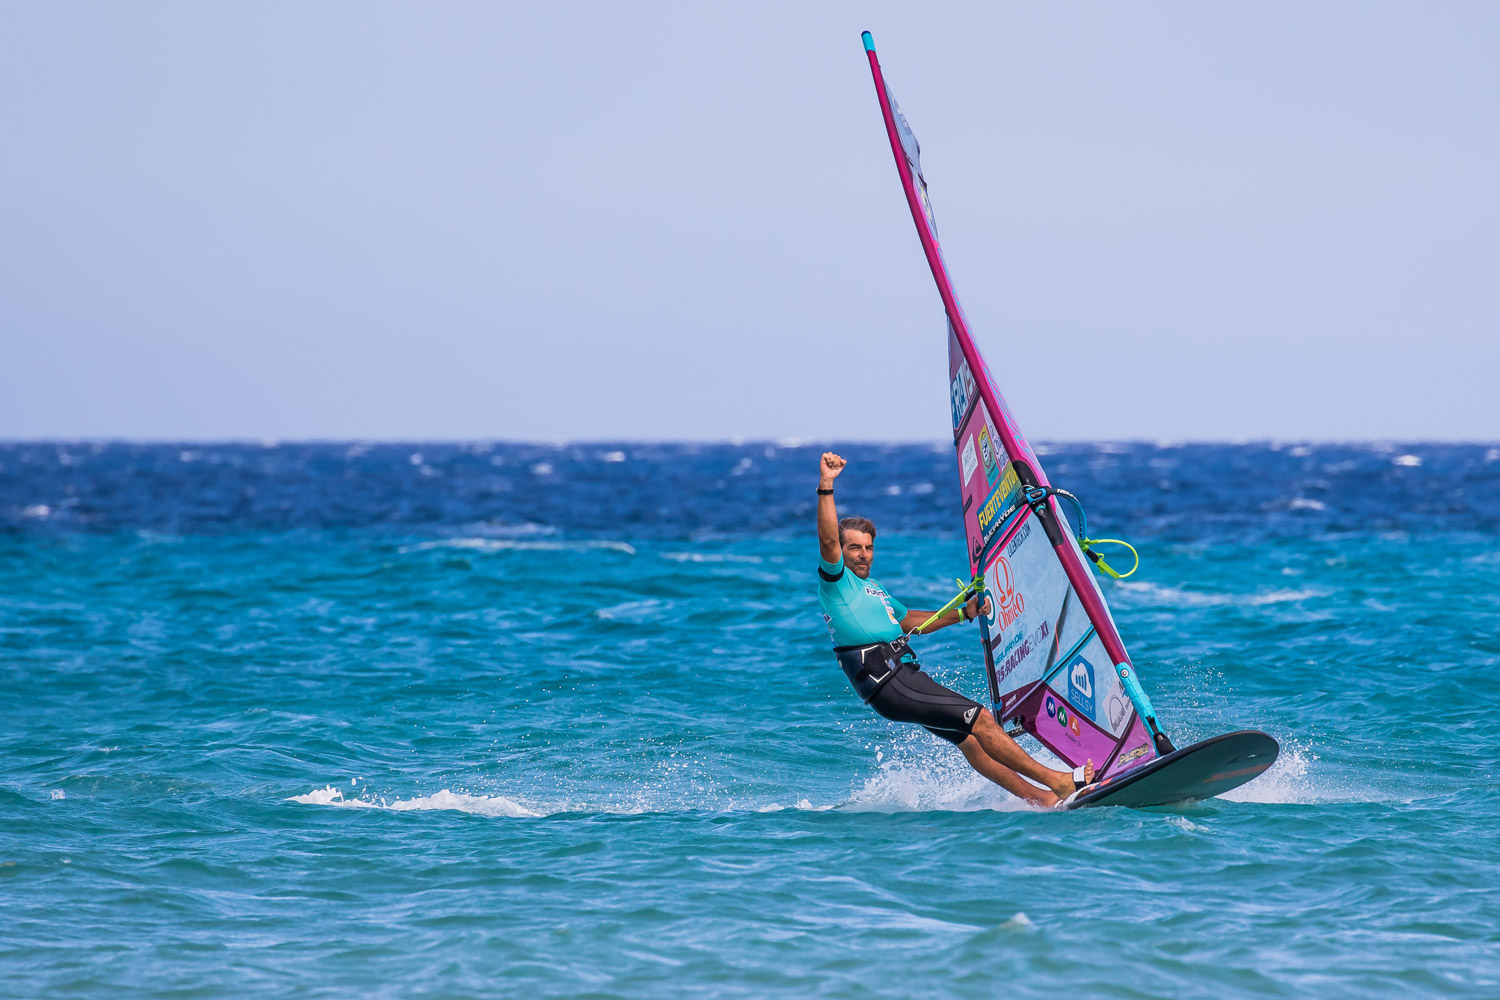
[[869, 42]]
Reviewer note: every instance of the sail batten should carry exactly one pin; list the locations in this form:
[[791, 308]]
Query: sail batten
[[1055, 661]]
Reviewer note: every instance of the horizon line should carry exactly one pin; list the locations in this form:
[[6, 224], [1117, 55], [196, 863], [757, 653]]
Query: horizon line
[[736, 442]]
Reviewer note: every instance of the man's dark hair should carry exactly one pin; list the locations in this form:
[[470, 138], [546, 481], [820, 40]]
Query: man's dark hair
[[856, 524]]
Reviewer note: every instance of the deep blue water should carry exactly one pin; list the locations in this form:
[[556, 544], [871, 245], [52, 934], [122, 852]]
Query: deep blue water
[[512, 720]]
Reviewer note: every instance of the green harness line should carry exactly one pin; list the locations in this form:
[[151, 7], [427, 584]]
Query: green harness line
[[968, 590]]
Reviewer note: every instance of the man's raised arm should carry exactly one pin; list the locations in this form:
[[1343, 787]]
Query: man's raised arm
[[828, 517]]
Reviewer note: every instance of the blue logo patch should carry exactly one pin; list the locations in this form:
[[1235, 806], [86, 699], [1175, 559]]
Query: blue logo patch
[[1081, 685]]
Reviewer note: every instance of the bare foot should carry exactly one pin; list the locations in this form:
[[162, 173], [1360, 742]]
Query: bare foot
[[1066, 786]]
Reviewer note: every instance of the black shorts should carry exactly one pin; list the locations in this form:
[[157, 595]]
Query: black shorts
[[909, 695]]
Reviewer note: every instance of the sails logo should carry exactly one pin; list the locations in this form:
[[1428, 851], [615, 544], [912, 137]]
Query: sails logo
[[968, 462], [998, 502], [1006, 602], [1018, 649], [1132, 755], [987, 452], [1081, 685], [1115, 706], [1016, 542], [961, 393]]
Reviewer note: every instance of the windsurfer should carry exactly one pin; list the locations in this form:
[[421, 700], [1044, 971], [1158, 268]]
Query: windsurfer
[[864, 620]]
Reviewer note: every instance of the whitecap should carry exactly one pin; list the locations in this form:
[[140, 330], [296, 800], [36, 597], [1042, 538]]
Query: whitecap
[[445, 800], [632, 611], [37, 510], [1407, 461], [927, 782], [710, 557], [1185, 598], [1287, 781], [612, 456], [1307, 503], [514, 545]]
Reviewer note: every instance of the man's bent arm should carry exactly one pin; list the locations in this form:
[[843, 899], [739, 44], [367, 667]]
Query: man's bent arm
[[915, 618]]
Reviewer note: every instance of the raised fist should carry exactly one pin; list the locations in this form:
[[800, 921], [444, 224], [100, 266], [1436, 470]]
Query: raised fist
[[831, 466]]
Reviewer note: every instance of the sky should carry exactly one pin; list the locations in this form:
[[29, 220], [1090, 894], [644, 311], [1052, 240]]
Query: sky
[[562, 221]]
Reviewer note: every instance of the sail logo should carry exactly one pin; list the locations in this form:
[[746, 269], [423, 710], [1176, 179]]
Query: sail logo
[[1115, 706], [961, 393], [999, 501], [1017, 651], [987, 452], [1135, 754], [1019, 540], [968, 462], [1006, 602], [1081, 685]]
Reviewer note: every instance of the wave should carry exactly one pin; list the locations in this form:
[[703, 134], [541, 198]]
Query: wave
[[917, 778], [1289, 782], [513, 545], [446, 801], [1156, 593], [710, 557]]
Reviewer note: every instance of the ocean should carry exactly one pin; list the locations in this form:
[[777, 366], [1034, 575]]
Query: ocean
[[494, 720]]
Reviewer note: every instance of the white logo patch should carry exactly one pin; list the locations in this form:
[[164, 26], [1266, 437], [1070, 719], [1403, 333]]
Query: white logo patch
[[968, 460], [969, 715]]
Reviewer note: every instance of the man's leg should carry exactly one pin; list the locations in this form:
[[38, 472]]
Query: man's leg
[[992, 739], [912, 696], [1003, 776]]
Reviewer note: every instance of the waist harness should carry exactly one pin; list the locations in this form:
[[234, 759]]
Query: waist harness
[[869, 667]]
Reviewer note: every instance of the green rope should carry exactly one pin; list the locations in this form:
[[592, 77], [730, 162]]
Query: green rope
[[968, 590]]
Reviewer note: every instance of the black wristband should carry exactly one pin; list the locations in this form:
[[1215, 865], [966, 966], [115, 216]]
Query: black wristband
[[963, 612], [825, 493]]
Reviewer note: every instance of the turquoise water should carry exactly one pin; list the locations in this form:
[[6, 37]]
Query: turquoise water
[[506, 720]]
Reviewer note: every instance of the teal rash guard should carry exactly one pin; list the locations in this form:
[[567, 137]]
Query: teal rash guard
[[858, 612]]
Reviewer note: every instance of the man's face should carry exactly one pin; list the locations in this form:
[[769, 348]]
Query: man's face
[[859, 551]]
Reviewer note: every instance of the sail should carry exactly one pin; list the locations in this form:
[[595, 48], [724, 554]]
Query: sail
[[1056, 664]]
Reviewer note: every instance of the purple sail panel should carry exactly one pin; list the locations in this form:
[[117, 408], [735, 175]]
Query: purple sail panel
[[1064, 730]]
